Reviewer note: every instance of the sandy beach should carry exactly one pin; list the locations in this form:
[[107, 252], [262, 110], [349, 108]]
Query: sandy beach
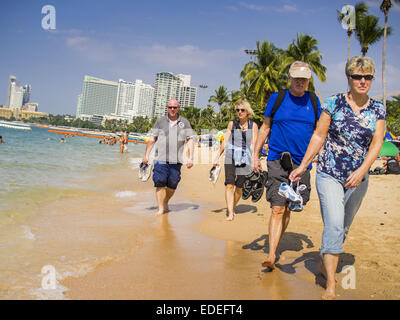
[[194, 253]]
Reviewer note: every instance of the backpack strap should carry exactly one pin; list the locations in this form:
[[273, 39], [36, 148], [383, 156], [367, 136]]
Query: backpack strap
[[314, 102], [278, 102]]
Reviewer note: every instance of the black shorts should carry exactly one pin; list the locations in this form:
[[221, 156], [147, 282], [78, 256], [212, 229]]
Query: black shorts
[[231, 176], [277, 175]]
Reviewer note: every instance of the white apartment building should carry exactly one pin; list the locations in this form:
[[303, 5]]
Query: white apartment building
[[167, 86], [134, 99], [98, 96], [15, 94]]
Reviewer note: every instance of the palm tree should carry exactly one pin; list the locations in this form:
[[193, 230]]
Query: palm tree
[[220, 97], [360, 9], [192, 114], [262, 76], [385, 7], [207, 118], [305, 49], [369, 32]]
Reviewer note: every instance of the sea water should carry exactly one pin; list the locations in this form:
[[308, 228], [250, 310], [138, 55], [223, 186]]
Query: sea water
[[37, 174]]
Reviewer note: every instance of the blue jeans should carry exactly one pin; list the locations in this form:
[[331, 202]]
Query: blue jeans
[[338, 208]]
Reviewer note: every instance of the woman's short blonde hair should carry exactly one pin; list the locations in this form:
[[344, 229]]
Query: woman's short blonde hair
[[246, 105], [364, 64]]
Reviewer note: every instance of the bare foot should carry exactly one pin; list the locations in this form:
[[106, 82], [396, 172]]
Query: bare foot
[[269, 263], [230, 217], [330, 293], [159, 212]]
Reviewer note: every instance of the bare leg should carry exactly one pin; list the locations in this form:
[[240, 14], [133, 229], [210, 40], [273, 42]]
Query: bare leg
[[278, 223], [238, 195], [230, 200], [161, 195], [169, 193], [330, 262]]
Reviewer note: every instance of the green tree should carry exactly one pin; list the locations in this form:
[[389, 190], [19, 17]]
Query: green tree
[[360, 9], [368, 31], [263, 76], [305, 49], [207, 118], [385, 7], [220, 97], [192, 114], [393, 115]]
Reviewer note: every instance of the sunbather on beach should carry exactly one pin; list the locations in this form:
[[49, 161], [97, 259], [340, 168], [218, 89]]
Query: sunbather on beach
[[238, 145], [289, 123], [351, 128], [169, 134], [391, 165]]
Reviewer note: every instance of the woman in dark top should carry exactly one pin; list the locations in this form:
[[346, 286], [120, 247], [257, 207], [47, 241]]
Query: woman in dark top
[[238, 145]]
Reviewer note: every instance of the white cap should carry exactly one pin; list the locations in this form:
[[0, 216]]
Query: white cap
[[300, 71]]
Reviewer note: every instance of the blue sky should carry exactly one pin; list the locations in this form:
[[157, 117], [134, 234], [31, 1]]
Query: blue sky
[[136, 39]]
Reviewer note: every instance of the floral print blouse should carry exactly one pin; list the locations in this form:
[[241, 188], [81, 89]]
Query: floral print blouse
[[349, 136]]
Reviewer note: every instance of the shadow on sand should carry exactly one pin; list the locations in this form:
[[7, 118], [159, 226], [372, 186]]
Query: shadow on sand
[[179, 207], [294, 242], [240, 209]]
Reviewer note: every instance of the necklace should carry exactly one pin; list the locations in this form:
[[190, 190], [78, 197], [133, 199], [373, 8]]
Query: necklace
[[243, 126]]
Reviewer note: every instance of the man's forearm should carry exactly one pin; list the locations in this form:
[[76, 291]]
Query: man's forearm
[[149, 146], [262, 136]]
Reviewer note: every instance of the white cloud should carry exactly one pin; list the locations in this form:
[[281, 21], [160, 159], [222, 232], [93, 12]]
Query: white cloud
[[183, 56], [251, 6], [287, 8], [284, 8], [90, 48]]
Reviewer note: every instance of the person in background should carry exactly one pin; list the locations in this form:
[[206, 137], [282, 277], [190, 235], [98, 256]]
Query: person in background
[[1, 139], [238, 143], [170, 133]]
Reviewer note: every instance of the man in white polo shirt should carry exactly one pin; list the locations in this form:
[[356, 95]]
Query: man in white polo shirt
[[169, 134]]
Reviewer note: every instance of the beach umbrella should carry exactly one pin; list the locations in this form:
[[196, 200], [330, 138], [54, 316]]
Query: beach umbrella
[[389, 136], [388, 149]]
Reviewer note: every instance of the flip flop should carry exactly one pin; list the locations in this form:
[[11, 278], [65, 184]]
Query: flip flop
[[258, 190], [250, 184], [247, 188], [145, 171]]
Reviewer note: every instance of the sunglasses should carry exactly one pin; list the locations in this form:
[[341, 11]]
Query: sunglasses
[[360, 76], [240, 110], [172, 107]]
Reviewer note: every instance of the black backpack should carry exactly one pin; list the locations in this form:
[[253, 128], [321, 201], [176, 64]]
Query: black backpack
[[281, 96]]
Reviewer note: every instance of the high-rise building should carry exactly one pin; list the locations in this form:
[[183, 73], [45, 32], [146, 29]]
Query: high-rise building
[[167, 86], [79, 106], [12, 82], [125, 97], [185, 79], [134, 99], [98, 96], [144, 104], [27, 93], [187, 96], [15, 94]]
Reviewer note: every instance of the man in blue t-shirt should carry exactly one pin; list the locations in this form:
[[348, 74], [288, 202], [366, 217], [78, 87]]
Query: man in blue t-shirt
[[290, 129]]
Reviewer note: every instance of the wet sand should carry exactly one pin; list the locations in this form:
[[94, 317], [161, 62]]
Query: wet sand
[[193, 253]]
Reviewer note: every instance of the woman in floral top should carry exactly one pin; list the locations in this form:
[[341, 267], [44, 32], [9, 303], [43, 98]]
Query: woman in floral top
[[351, 129]]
